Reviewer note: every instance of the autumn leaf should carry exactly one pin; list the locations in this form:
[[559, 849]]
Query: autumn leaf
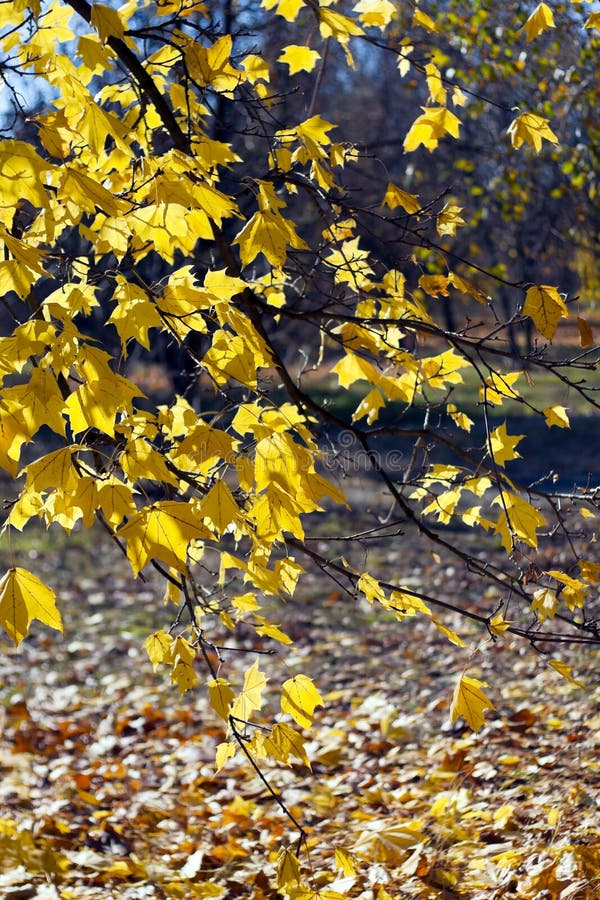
[[469, 702], [221, 696], [539, 21], [422, 20], [395, 196], [23, 598], [565, 671], [531, 129], [377, 13], [162, 531], [284, 742], [498, 625], [288, 868], [250, 697], [586, 335], [299, 58], [461, 419], [557, 415], [269, 233], [447, 222], [225, 751], [183, 673], [159, 647], [389, 842], [299, 697], [518, 520], [107, 22], [219, 507], [435, 285], [545, 306], [502, 445], [431, 127]]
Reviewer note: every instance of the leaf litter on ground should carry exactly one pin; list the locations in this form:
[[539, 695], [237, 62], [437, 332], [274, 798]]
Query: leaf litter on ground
[[107, 777]]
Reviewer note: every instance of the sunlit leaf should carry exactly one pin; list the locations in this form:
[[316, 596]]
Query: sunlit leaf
[[469, 702], [23, 597], [250, 697], [545, 306], [539, 21], [299, 697]]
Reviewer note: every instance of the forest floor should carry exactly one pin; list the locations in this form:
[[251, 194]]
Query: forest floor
[[107, 779]]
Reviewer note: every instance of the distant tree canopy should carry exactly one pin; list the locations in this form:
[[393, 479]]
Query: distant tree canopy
[[358, 228]]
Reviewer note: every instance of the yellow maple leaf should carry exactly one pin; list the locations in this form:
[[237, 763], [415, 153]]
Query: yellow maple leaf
[[565, 670], [519, 520], [107, 22], [422, 20], [498, 625], [133, 317], [183, 673], [284, 742], [469, 701], [593, 21], [23, 597], [220, 697], [502, 445], [545, 306], [430, 127], [23, 177], [435, 285], [461, 284], [268, 233], [288, 868], [499, 387], [250, 697], [96, 402], [462, 420], [437, 91], [159, 647], [256, 68], [371, 588], [377, 13], [140, 461], [39, 401], [557, 415], [299, 58], [88, 193], [219, 506], [54, 470], [544, 603], [531, 129], [299, 697], [115, 499], [388, 842], [225, 751], [540, 20], [289, 9], [369, 406], [448, 221], [452, 636], [336, 25], [312, 134], [268, 629], [212, 65], [162, 531], [395, 196], [350, 263], [231, 357]]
